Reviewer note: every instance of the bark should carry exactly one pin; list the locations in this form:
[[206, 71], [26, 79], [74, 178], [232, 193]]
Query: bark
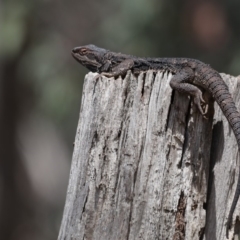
[[141, 163]]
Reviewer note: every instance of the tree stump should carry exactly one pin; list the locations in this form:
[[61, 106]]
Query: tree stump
[[141, 164], [224, 170]]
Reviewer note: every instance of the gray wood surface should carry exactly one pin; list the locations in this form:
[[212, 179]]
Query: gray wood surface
[[141, 164], [224, 171]]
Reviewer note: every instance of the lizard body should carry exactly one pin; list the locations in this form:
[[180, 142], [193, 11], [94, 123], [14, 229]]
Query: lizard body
[[189, 76]]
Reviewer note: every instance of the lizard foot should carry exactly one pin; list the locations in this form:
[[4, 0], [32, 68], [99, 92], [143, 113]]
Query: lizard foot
[[201, 104], [97, 77], [205, 107], [103, 74], [107, 74]]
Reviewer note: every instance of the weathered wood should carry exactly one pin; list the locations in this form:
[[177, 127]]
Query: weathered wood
[[224, 171], [141, 163]]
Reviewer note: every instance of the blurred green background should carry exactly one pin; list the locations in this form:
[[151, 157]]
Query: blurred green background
[[41, 85]]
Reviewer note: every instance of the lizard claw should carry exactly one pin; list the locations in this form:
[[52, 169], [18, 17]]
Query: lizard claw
[[199, 101], [205, 107], [97, 77], [107, 74]]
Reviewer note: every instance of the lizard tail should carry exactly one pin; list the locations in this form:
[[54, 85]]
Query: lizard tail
[[224, 99]]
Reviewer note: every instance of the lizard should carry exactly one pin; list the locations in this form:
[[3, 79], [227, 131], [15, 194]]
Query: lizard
[[189, 76]]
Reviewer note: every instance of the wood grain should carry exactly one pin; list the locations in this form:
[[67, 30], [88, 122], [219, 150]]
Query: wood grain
[[141, 163]]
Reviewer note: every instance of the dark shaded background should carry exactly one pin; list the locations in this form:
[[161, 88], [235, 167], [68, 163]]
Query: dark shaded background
[[41, 85]]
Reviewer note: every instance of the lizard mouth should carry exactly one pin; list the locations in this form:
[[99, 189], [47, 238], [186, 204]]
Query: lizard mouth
[[91, 64], [80, 58], [76, 55]]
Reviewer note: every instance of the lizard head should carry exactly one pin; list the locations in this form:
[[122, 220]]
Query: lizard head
[[90, 56]]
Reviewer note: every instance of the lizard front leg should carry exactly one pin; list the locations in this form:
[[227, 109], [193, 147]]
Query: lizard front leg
[[121, 69], [181, 82]]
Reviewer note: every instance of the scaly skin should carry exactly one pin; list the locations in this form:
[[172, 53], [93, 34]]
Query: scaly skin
[[188, 76]]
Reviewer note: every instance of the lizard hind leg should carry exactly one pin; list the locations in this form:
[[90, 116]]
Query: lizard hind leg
[[182, 82]]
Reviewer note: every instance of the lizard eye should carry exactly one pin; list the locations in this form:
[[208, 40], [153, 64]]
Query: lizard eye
[[83, 51]]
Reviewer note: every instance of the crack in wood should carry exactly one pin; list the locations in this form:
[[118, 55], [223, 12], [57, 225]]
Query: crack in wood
[[180, 223], [169, 110], [185, 140]]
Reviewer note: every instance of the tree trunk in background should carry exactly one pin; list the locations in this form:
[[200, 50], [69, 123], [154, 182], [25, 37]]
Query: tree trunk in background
[[141, 164], [17, 200]]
